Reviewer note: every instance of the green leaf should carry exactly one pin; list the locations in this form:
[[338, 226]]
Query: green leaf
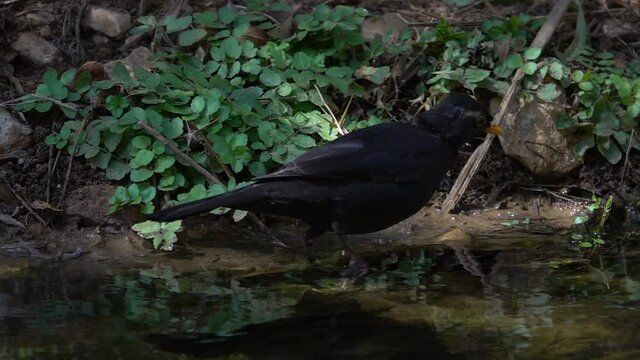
[[67, 76], [190, 37], [239, 215], [117, 170], [120, 73], [580, 219], [609, 149], [586, 85], [270, 78], [111, 140], [529, 68], [231, 47], [140, 142], [266, 132], [141, 174], [44, 106], [548, 92], [68, 112], [475, 75], [577, 75], [532, 53], [514, 61], [584, 143], [285, 89], [459, 3], [376, 75], [301, 61], [227, 14], [52, 139], [142, 158], [564, 121], [55, 86], [304, 141], [147, 228], [252, 67], [173, 226], [101, 160], [175, 25], [163, 162], [207, 18], [556, 71], [173, 128], [197, 104]]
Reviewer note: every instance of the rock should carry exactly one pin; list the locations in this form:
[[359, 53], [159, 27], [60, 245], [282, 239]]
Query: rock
[[91, 204], [389, 23], [138, 58], [530, 136], [46, 32], [36, 49], [39, 19], [14, 135], [113, 23], [616, 28]]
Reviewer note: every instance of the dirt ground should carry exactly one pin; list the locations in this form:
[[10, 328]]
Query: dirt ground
[[499, 181]]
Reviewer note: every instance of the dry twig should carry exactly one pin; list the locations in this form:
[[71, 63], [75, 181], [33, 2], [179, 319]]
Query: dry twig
[[472, 165], [327, 110], [23, 201], [209, 176], [71, 156]]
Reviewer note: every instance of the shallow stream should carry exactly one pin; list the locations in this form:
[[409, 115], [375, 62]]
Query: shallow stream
[[521, 299]]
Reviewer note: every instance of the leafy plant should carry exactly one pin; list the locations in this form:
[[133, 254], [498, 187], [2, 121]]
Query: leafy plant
[[163, 235], [588, 230], [242, 95], [240, 109]]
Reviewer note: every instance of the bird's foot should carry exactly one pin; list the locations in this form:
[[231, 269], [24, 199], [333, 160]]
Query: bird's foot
[[357, 268]]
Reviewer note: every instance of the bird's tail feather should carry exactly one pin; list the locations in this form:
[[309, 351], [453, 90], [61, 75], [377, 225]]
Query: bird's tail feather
[[230, 199]]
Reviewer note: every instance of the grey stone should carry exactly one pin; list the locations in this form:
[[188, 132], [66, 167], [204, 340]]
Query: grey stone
[[113, 23], [36, 49], [138, 58], [530, 136], [91, 204], [14, 135]]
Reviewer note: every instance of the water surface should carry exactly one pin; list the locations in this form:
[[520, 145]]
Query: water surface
[[536, 300]]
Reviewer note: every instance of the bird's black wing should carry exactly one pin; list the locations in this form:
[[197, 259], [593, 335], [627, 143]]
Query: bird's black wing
[[387, 152]]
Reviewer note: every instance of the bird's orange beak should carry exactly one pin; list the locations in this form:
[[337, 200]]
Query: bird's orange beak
[[494, 129]]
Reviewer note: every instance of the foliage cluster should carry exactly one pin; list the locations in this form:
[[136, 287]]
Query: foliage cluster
[[605, 99], [588, 230], [242, 94], [237, 105]]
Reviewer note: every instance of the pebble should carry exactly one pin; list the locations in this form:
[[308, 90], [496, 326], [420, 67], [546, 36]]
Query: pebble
[[111, 22], [35, 49]]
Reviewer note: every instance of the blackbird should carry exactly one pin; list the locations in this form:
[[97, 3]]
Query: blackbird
[[362, 182]]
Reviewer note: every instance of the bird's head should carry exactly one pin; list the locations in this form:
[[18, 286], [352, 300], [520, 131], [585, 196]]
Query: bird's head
[[457, 119]]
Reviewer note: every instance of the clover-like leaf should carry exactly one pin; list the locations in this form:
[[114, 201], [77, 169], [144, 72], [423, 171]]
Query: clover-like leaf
[[190, 37]]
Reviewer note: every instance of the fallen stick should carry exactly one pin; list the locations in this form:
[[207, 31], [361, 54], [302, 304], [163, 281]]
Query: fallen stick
[[23, 201], [472, 165], [209, 176]]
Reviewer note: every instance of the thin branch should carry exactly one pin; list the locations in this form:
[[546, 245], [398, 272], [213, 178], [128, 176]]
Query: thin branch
[[344, 113], [473, 164], [209, 176], [23, 201], [626, 156], [327, 110], [73, 154], [168, 143]]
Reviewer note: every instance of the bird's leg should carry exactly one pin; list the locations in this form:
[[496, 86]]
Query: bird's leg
[[357, 266], [345, 243], [308, 243]]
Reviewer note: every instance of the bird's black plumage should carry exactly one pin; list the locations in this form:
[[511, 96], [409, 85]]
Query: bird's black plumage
[[362, 182]]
